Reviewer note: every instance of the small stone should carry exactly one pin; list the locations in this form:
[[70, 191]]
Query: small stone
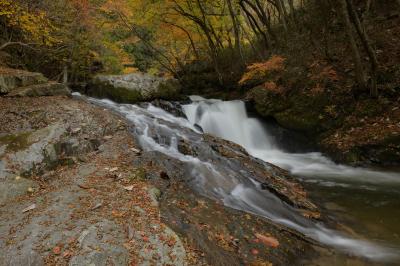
[[113, 169], [29, 208], [136, 151], [76, 130], [128, 188], [17, 177], [98, 205], [30, 190], [82, 237]]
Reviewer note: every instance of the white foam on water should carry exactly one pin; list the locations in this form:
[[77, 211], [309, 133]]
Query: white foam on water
[[229, 120]]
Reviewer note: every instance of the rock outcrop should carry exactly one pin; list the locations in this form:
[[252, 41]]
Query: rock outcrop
[[69, 194], [19, 83], [133, 88]]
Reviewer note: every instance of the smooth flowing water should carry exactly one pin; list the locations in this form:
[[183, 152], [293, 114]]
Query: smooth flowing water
[[215, 178], [367, 200]]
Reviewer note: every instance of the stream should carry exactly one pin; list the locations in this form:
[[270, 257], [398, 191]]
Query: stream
[[365, 200]]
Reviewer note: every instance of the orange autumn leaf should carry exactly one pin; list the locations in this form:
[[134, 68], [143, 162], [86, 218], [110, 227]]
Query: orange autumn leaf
[[57, 250], [268, 240]]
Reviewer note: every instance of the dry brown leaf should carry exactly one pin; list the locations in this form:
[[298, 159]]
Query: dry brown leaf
[[268, 240]]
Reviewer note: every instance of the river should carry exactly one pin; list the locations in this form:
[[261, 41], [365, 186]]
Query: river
[[366, 201]]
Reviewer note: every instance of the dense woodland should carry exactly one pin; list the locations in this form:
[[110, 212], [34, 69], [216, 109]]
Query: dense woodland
[[215, 38]]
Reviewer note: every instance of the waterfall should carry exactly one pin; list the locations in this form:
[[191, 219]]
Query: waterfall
[[229, 120]]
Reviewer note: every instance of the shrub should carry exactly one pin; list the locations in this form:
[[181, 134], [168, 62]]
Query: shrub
[[257, 72]]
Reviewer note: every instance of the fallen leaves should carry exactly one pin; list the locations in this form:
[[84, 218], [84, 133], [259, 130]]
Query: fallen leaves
[[57, 250], [254, 251], [268, 240], [68, 254], [117, 214]]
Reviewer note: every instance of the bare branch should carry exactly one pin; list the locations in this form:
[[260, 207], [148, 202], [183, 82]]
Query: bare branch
[[7, 44]]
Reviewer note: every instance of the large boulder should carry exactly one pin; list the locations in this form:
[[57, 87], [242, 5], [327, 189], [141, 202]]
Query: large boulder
[[20, 83], [13, 78], [45, 89], [133, 88]]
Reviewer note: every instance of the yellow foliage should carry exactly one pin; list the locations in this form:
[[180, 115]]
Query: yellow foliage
[[34, 25], [129, 70], [260, 70]]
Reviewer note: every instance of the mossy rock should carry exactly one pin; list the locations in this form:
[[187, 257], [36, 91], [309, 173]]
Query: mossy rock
[[133, 88], [139, 174], [268, 103], [105, 90], [16, 142], [306, 122], [14, 78], [168, 90], [45, 89]]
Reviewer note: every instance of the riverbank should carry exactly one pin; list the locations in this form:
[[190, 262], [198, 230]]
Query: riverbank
[[69, 195]]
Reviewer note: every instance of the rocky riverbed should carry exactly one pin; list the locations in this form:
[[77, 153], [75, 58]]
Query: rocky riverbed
[[77, 190], [85, 181]]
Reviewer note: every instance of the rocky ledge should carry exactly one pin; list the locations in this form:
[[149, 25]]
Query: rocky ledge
[[20, 83], [69, 194], [133, 88]]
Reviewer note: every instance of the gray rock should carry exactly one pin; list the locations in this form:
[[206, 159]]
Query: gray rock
[[155, 195], [157, 252], [29, 258], [133, 88], [12, 78], [11, 188], [108, 238], [36, 143], [45, 89]]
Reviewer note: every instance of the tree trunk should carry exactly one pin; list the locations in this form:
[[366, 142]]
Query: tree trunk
[[292, 11], [359, 71], [367, 47], [282, 13], [236, 30], [65, 75], [262, 17]]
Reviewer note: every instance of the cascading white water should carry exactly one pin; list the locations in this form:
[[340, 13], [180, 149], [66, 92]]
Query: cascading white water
[[229, 120], [159, 131]]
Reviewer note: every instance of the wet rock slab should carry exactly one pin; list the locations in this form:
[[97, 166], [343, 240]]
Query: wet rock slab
[[64, 197], [221, 235]]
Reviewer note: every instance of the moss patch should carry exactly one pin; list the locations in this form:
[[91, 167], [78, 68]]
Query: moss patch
[[16, 142], [168, 90], [307, 122]]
